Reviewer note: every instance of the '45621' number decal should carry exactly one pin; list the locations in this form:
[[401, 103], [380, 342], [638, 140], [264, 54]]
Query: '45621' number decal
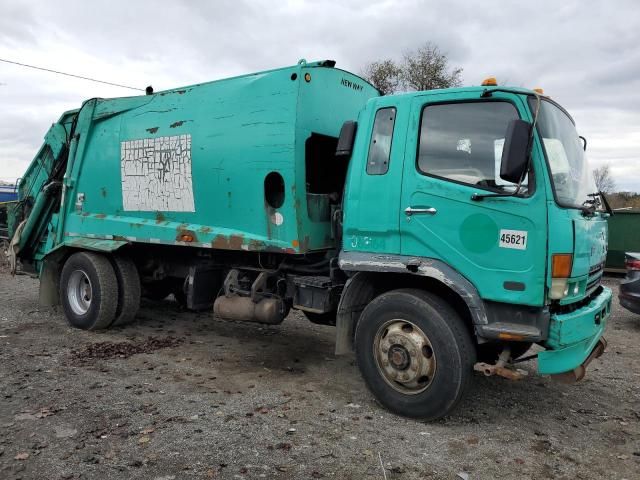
[[513, 239]]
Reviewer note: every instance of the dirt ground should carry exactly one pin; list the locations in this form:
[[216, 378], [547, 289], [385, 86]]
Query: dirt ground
[[188, 396]]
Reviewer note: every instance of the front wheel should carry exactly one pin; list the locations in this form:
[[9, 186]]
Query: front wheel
[[415, 353]]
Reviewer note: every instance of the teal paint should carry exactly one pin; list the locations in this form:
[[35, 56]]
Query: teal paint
[[573, 336], [238, 130], [463, 234]]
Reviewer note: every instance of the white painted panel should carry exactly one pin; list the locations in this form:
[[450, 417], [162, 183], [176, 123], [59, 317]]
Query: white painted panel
[[156, 174]]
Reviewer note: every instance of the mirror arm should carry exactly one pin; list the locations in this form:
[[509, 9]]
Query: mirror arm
[[584, 142], [478, 197]]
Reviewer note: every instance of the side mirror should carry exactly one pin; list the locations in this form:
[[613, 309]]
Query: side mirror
[[516, 151], [346, 139]]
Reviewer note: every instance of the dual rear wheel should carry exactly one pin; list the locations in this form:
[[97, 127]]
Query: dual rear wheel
[[98, 292]]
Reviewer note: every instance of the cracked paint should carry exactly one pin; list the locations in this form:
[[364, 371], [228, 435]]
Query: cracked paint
[[156, 174]]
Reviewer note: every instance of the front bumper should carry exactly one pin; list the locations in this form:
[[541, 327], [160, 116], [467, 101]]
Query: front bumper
[[574, 336]]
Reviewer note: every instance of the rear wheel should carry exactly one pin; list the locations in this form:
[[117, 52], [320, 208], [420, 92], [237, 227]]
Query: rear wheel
[[89, 291], [128, 290], [415, 353]]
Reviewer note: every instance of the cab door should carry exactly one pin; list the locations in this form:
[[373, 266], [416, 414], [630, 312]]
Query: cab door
[[453, 151]]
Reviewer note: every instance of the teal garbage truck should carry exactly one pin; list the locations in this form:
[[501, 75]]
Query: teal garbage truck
[[441, 232]]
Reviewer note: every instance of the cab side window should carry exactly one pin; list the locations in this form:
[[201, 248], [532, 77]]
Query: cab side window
[[380, 145], [463, 142]]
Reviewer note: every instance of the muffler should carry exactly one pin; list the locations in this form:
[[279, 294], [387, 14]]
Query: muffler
[[234, 307]]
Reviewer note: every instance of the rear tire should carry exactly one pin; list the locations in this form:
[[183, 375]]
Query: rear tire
[[415, 353], [89, 291], [128, 290]]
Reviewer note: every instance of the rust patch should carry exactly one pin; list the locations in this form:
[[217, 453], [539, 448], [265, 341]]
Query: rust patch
[[304, 245], [160, 217], [177, 124], [100, 215], [103, 192], [152, 130], [235, 242], [220, 242], [255, 245], [186, 236], [204, 229]]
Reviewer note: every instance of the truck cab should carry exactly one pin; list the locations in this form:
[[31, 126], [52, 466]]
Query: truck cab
[[519, 260]]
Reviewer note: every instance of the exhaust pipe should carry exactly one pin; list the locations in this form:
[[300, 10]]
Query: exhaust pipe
[[234, 307]]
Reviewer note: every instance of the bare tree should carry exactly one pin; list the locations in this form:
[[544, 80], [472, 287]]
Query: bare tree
[[384, 75], [604, 180], [425, 68]]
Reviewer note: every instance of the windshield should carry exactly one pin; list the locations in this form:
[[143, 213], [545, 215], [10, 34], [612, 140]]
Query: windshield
[[570, 172]]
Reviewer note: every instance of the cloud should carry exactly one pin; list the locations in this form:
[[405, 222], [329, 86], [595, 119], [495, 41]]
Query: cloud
[[583, 53]]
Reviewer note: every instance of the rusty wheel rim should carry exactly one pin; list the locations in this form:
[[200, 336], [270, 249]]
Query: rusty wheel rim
[[404, 356]]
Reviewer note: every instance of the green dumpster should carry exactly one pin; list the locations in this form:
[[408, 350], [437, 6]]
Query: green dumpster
[[624, 236]]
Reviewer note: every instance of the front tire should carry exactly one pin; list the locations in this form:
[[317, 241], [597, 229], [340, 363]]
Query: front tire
[[89, 291], [415, 353]]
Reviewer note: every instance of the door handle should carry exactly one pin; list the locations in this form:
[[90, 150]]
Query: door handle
[[420, 211]]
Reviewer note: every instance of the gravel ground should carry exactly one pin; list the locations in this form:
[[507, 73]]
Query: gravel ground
[[179, 395]]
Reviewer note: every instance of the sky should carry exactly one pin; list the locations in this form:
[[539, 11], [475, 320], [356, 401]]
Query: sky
[[585, 54]]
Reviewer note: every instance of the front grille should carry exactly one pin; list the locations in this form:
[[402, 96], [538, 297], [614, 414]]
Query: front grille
[[593, 283], [596, 268], [572, 307]]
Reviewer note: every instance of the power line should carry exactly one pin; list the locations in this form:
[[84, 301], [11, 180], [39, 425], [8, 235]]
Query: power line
[[71, 75]]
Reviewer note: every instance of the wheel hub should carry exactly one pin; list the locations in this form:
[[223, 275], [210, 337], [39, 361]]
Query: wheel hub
[[404, 356], [399, 357], [79, 292]]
